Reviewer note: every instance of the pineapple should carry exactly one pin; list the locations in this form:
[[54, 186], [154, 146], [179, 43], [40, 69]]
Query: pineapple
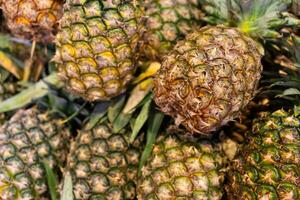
[[182, 168], [268, 166], [97, 47], [168, 21], [209, 77], [28, 140], [103, 164], [33, 19]]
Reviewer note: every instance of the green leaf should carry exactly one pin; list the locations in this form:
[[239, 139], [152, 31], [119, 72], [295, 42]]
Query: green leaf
[[5, 42], [4, 74], [67, 193], [154, 124], [291, 91], [121, 121], [99, 112], [216, 11], [137, 95], [287, 83], [140, 120], [27, 96], [51, 180], [115, 110], [57, 103]]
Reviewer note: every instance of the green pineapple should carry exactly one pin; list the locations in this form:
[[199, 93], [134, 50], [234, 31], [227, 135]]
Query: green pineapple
[[168, 21], [103, 164], [208, 78], [268, 166], [97, 45], [182, 168], [28, 140]]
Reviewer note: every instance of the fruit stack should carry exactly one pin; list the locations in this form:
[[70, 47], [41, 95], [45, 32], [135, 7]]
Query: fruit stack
[[150, 100]]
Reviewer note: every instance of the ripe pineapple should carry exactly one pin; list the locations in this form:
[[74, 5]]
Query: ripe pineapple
[[27, 140], [167, 21], [103, 164], [33, 19], [210, 76], [182, 169], [97, 46], [268, 166]]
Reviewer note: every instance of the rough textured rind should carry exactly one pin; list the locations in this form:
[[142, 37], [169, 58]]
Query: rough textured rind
[[103, 164], [97, 46], [33, 19], [182, 169], [208, 78], [168, 21], [268, 166], [27, 140]]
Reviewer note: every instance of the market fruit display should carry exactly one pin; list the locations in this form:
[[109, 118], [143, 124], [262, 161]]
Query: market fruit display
[[182, 169], [103, 164], [97, 45], [166, 23], [268, 165], [33, 19], [29, 140], [149, 100]]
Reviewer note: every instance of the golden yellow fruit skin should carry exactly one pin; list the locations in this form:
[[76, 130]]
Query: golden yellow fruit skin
[[208, 78], [97, 47], [33, 19]]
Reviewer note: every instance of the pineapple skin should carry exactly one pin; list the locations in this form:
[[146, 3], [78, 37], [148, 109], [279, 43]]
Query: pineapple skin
[[168, 21], [268, 164], [27, 140], [208, 78], [33, 19], [103, 164], [97, 47], [181, 168]]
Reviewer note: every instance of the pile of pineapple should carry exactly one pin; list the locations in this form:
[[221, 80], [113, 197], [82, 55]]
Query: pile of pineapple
[[150, 100]]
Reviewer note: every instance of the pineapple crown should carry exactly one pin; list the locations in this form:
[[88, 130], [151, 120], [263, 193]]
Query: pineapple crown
[[260, 19]]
